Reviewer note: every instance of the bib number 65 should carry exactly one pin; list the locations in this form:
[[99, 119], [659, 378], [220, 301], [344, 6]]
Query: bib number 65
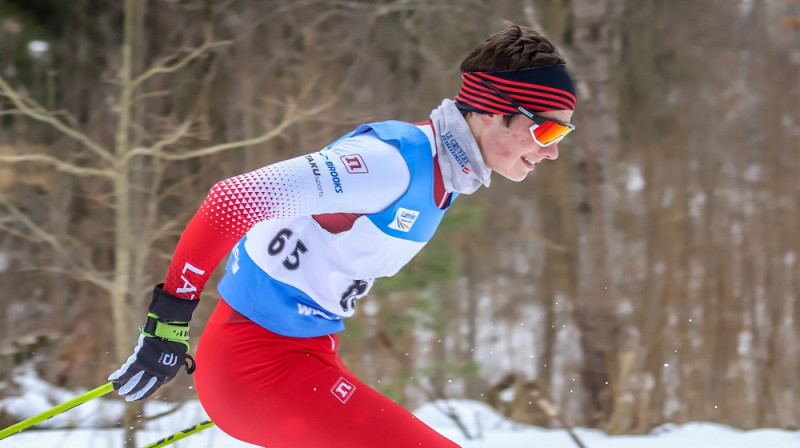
[[279, 243]]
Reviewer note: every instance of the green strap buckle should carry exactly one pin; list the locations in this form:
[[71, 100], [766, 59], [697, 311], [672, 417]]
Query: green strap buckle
[[175, 332]]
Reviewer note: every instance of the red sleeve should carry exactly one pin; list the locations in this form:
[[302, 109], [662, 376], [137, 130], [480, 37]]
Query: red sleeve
[[231, 208]]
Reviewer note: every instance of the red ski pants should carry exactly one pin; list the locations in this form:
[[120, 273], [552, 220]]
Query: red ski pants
[[281, 392]]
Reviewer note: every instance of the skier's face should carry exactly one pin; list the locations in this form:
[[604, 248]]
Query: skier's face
[[510, 150]]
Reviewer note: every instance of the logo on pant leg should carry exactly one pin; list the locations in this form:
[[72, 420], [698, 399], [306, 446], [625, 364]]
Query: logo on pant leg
[[343, 390]]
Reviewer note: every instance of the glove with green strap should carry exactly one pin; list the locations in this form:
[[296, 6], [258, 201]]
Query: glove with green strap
[[161, 350]]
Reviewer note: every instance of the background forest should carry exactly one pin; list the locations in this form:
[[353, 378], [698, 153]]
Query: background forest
[[647, 276]]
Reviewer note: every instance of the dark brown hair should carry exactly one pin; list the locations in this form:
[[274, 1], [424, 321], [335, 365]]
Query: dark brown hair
[[513, 48]]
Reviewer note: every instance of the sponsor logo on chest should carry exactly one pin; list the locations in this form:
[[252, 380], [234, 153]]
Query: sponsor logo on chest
[[404, 219], [315, 170], [354, 164]]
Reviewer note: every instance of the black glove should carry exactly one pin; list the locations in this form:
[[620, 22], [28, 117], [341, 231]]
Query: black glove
[[161, 350]]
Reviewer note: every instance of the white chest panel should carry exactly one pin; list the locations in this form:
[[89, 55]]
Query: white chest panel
[[326, 266]]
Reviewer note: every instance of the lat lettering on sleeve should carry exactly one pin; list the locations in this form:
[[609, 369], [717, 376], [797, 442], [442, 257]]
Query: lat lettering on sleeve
[[188, 287]]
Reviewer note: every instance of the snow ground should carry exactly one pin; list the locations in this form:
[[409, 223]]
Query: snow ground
[[486, 427]]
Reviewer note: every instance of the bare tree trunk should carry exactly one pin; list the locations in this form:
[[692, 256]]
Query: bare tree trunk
[[121, 186], [123, 239], [559, 270], [594, 43]]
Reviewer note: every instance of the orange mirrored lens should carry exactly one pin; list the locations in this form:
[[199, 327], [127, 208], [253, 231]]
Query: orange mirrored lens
[[549, 132]]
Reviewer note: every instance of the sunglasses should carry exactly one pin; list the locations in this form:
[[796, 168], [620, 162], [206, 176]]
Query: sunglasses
[[544, 131]]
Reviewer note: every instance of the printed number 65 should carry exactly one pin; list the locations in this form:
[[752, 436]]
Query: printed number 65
[[277, 245]]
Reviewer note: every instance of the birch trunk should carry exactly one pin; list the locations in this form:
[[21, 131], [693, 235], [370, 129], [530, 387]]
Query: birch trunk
[[594, 40]]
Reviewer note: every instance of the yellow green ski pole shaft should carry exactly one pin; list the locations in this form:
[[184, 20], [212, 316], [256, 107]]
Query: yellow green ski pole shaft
[[63, 407], [181, 435]]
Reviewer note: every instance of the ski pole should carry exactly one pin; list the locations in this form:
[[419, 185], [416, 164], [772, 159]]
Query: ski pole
[[169, 440], [63, 407]]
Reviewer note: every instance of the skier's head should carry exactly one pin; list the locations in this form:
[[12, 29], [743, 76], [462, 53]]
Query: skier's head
[[519, 63], [518, 98]]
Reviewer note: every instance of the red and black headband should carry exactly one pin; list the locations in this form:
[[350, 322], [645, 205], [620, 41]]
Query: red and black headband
[[539, 89]]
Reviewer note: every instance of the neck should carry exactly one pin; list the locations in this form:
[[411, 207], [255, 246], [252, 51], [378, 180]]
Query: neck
[[460, 157]]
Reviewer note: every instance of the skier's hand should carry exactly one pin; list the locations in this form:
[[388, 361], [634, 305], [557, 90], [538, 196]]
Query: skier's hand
[[161, 350]]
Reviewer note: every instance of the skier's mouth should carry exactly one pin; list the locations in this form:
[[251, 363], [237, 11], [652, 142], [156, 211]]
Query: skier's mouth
[[528, 162]]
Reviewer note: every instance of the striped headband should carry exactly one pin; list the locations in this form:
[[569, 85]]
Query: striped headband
[[539, 89]]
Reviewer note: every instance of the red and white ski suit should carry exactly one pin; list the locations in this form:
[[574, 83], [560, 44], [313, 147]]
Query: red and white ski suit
[[267, 366]]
